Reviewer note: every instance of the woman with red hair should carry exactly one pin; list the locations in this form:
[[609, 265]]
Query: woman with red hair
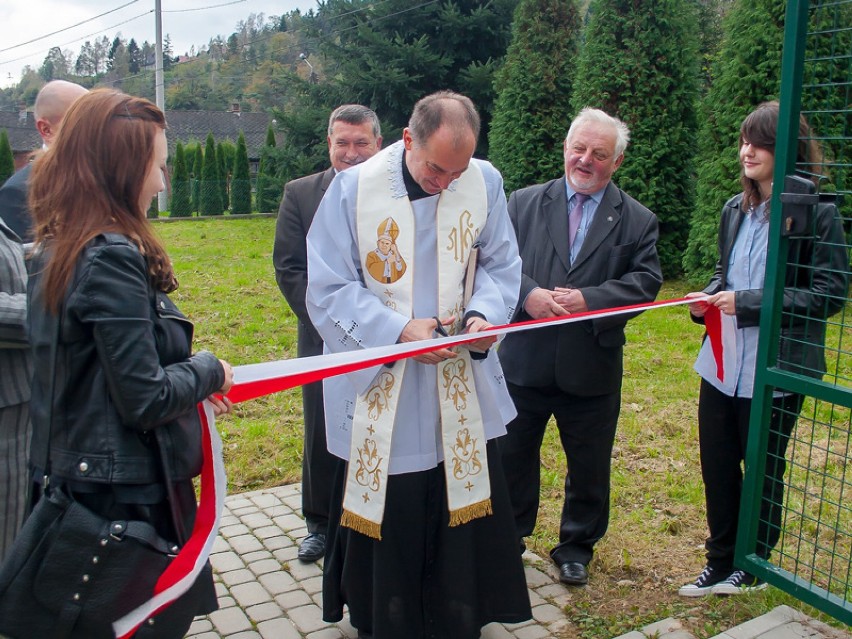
[[124, 432]]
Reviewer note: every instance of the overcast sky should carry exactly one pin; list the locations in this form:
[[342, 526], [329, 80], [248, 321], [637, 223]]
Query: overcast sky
[[186, 22]]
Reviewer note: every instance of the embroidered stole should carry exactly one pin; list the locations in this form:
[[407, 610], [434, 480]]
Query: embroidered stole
[[385, 220]]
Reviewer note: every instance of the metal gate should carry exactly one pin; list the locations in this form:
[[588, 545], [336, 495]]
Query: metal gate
[[812, 559]]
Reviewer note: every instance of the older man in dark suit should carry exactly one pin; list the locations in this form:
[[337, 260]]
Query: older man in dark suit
[[585, 245], [354, 135], [51, 103]]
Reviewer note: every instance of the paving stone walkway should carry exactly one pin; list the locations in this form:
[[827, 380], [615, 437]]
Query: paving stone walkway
[[265, 592]]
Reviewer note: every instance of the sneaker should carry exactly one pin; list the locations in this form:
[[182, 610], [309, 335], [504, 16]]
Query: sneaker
[[704, 583], [739, 583]]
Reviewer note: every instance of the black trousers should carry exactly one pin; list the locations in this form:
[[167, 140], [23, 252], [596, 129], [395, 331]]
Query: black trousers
[[587, 430], [318, 465], [425, 579], [723, 424]]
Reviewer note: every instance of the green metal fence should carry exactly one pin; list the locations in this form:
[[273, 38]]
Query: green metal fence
[[810, 505]]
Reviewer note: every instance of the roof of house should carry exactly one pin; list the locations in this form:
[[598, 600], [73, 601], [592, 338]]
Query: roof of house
[[20, 127], [184, 126], [195, 125]]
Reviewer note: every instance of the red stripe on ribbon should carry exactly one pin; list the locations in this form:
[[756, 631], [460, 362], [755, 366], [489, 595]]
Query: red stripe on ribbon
[[713, 326], [186, 566], [243, 391], [184, 569]]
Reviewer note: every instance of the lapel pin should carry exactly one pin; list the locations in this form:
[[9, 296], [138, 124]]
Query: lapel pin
[[609, 219]]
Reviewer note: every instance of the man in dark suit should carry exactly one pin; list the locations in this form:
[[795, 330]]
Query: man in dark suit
[[354, 135], [585, 245], [50, 106]]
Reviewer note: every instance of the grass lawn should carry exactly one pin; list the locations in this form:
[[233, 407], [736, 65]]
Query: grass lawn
[[657, 526]]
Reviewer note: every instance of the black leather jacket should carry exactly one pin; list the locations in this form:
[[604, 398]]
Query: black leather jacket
[[815, 286], [123, 367]]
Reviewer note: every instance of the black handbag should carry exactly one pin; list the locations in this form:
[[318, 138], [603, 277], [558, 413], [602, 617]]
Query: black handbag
[[71, 573]]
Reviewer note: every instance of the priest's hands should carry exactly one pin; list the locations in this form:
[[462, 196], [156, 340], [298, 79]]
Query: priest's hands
[[474, 325], [420, 329]]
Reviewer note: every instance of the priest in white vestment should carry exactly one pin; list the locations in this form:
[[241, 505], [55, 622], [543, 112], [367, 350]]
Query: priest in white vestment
[[421, 538]]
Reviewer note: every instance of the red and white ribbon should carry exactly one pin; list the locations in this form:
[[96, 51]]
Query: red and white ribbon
[[186, 566], [722, 333], [257, 380]]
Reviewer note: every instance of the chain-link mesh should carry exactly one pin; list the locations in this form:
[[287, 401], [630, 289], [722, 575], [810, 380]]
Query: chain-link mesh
[[796, 520]]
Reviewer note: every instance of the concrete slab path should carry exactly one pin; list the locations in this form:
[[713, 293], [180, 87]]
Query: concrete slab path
[[265, 592]]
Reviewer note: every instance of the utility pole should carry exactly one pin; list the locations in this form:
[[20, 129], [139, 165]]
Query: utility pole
[[159, 92]]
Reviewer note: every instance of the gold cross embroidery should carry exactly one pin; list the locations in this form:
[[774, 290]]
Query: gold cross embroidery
[[371, 430], [462, 419], [469, 486], [366, 498]]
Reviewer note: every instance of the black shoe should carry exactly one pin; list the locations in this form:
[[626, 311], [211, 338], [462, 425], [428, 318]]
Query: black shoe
[[573, 573], [312, 548]]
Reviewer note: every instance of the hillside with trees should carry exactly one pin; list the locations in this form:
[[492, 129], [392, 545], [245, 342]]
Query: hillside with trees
[[681, 73]]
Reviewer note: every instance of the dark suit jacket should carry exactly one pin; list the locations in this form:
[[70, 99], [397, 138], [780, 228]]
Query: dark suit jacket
[[14, 210], [815, 286], [289, 255], [617, 266]]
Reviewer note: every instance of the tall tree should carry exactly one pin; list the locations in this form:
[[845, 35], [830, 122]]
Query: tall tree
[[7, 158], [56, 65], [211, 195], [168, 52], [225, 161], [134, 56], [640, 63], [389, 54], [241, 182], [268, 188], [86, 63], [532, 109], [197, 170], [181, 187], [745, 73]]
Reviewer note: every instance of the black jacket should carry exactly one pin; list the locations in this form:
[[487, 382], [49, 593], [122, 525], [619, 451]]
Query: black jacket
[[124, 367], [815, 286], [617, 266], [13, 204]]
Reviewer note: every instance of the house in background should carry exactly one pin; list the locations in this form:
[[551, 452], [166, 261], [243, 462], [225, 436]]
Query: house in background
[[188, 126], [23, 137], [183, 126]]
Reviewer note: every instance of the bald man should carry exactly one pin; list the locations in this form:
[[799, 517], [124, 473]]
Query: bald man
[[50, 106]]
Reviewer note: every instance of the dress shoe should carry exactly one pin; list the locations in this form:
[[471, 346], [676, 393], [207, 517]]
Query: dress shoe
[[312, 548], [573, 573]]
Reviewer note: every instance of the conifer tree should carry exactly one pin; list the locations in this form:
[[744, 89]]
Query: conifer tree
[[746, 72], [640, 64], [211, 196], [197, 170], [268, 189], [181, 190], [225, 164], [532, 108], [7, 158], [241, 182]]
